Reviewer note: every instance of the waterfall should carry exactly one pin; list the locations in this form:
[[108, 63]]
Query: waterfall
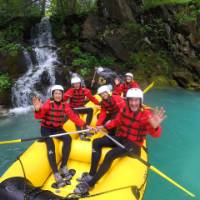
[[40, 73]]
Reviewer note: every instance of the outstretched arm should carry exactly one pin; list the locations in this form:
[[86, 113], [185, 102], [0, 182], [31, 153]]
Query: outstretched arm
[[37, 103], [155, 119], [90, 97]]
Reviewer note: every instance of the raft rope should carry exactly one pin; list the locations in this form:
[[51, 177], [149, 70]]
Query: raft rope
[[24, 174], [136, 191], [34, 191], [75, 196], [72, 196]]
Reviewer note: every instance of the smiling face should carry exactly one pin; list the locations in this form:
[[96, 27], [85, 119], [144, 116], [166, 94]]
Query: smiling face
[[116, 81], [134, 104], [57, 95], [104, 95], [128, 79], [77, 85]]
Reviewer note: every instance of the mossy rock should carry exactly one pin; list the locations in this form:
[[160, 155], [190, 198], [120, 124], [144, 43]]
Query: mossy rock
[[163, 82], [194, 86], [14, 65], [5, 98]]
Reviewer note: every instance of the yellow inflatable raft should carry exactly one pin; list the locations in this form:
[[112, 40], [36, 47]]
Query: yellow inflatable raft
[[30, 177]]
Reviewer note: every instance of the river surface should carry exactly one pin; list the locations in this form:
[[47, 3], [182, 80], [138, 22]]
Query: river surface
[[176, 153]]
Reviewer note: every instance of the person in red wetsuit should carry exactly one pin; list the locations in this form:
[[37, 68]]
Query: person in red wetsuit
[[54, 113], [128, 83], [77, 98], [134, 122], [110, 106], [117, 86]]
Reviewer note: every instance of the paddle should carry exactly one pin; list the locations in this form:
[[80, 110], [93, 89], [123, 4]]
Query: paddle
[[152, 168], [96, 106], [92, 82], [148, 87], [40, 138]]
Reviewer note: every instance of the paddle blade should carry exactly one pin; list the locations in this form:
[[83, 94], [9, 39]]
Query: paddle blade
[[171, 181]]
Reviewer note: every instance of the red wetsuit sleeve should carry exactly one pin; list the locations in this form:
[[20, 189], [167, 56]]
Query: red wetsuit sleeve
[[68, 94], [73, 116], [102, 117], [135, 85], [114, 123], [118, 89], [90, 97]]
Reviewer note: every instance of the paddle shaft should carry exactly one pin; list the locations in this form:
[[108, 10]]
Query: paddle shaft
[[92, 82], [148, 88], [96, 106], [40, 138], [152, 168]]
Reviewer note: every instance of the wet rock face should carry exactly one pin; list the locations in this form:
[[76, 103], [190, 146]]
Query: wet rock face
[[91, 26], [4, 112], [102, 33], [43, 83], [117, 47], [117, 10], [13, 65]]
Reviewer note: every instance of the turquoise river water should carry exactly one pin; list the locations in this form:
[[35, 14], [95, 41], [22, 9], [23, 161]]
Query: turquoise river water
[[176, 153]]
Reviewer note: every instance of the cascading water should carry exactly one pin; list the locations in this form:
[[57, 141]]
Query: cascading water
[[40, 74]]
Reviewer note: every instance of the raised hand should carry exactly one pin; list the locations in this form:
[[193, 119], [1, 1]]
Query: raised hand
[[99, 128], [157, 117], [90, 127], [37, 103]]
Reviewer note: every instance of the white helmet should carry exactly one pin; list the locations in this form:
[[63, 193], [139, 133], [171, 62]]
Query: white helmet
[[75, 79], [103, 89], [100, 69], [129, 74], [135, 93], [57, 87]]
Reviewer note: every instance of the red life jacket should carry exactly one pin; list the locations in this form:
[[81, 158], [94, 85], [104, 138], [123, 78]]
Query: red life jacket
[[133, 126], [110, 105], [127, 86], [78, 98], [117, 89], [55, 117]]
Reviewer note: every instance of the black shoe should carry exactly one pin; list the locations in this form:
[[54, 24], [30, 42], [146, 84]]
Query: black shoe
[[67, 174], [82, 189], [59, 181], [85, 177]]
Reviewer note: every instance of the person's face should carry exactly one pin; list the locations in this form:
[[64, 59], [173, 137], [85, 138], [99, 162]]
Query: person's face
[[104, 95], [117, 81], [57, 95], [77, 85], [128, 79], [134, 104]]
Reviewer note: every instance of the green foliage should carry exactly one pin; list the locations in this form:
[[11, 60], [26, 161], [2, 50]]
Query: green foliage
[[65, 8], [9, 48], [87, 61], [76, 30], [4, 82], [76, 50], [153, 3], [149, 62], [189, 13], [134, 32], [18, 8], [13, 32]]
